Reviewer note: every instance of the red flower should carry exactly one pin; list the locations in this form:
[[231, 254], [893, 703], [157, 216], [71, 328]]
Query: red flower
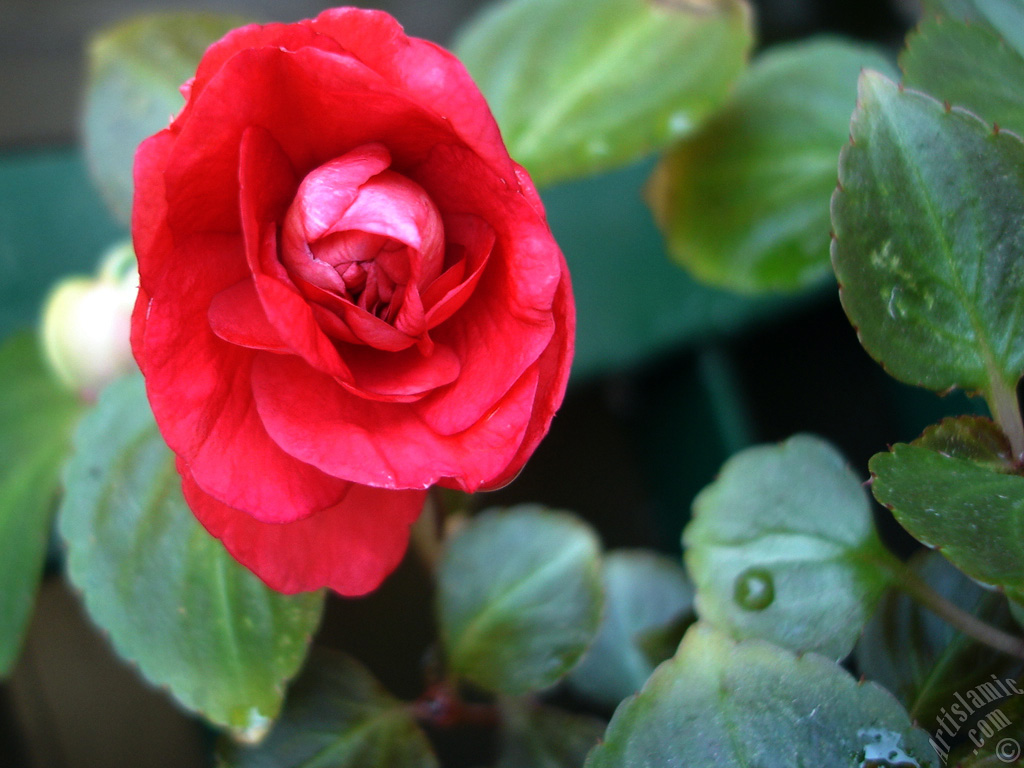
[[349, 293]]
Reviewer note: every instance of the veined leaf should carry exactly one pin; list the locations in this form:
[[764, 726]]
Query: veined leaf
[[582, 88], [169, 595]]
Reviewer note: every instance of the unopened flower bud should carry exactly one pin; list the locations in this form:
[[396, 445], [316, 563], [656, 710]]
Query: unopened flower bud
[[87, 321]]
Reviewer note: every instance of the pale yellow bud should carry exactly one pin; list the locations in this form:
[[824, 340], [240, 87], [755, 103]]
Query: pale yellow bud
[[87, 322]]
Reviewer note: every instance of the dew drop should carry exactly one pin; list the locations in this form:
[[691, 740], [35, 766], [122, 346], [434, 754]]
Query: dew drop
[[754, 589], [882, 750]]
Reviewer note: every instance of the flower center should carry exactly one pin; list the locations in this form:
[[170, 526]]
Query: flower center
[[366, 236]]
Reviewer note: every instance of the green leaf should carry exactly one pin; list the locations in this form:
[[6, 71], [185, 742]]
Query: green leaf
[[519, 598], [338, 716], [536, 736], [644, 592], [920, 658], [743, 203], [578, 91], [929, 224], [782, 547], [719, 702], [969, 66], [1004, 17], [955, 488], [36, 418], [632, 302], [135, 71], [171, 598]]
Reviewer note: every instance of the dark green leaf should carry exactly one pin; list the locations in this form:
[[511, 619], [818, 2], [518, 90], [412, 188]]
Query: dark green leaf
[[922, 659], [51, 223], [536, 736], [929, 224], [578, 90], [36, 417], [782, 547], [643, 592], [632, 301], [519, 598], [1004, 17], [719, 702], [969, 66], [955, 489], [135, 70], [338, 716], [168, 594], [743, 203]]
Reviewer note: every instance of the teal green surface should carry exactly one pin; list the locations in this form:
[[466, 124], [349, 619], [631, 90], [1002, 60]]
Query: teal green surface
[[52, 222]]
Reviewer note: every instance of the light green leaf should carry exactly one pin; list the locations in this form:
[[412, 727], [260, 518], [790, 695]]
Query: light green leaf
[[919, 657], [519, 598], [644, 592], [782, 547], [36, 417], [956, 488], [537, 736], [135, 71], [579, 89], [719, 702], [1004, 17], [969, 66], [743, 204], [171, 598], [338, 716], [929, 224], [616, 256]]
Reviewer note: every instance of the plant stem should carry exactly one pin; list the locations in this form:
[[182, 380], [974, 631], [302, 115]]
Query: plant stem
[[441, 707], [1006, 411], [968, 624]]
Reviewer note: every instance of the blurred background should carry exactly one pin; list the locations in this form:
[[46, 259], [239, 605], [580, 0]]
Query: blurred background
[[632, 445], [41, 42]]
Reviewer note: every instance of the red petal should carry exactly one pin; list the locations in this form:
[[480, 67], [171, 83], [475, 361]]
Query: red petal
[[553, 373], [349, 547], [431, 74], [198, 386], [283, 36], [400, 376], [383, 444], [265, 167], [315, 105], [236, 315]]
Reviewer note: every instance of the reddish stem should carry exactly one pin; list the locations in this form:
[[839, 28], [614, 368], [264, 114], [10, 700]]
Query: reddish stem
[[440, 706]]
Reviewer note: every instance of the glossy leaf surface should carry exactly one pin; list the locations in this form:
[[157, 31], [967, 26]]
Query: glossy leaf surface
[[36, 419], [338, 715], [743, 203], [929, 224], [722, 702], [579, 92], [782, 547], [969, 66], [645, 593], [955, 488], [519, 598], [171, 598]]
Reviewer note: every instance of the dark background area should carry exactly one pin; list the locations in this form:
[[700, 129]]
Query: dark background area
[[628, 451]]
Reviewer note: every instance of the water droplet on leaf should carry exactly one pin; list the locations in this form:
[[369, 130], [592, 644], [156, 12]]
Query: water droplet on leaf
[[882, 750], [754, 589]]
